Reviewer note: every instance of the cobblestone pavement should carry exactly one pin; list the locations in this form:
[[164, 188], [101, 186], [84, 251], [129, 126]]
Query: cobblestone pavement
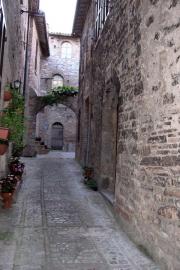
[[58, 224]]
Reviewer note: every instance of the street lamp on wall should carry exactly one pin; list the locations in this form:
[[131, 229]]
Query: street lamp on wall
[[17, 84]]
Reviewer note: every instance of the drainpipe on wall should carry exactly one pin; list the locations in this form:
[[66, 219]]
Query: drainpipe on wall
[[26, 56]]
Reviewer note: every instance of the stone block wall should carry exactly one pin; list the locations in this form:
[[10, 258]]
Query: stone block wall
[[57, 114], [68, 68], [129, 83]]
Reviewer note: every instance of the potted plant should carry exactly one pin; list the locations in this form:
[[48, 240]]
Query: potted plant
[[16, 167], [4, 133], [7, 189], [3, 146], [88, 172], [7, 93], [91, 183]]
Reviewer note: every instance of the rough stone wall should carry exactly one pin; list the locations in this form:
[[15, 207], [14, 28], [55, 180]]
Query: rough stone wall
[[60, 114], [136, 61], [68, 68]]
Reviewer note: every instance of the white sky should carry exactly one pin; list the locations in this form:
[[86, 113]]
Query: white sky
[[59, 14]]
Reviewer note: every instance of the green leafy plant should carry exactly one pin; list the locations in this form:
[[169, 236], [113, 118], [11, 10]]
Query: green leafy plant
[[8, 184], [13, 118], [91, 183], [58, 94]]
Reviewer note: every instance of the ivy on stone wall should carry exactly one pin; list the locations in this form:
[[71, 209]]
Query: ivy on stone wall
[[13, 118], [58, 94]]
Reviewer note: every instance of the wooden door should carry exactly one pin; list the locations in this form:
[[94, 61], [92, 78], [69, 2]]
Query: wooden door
[[57, 136]]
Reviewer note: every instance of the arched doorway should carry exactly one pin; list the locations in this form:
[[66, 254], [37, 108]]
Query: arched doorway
[[57, 136]]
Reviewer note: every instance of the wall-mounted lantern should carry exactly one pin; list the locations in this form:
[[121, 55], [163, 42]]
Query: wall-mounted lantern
[[17, 84]]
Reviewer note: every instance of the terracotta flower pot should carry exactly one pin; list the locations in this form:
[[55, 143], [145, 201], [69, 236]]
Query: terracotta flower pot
[[88, 172], [3, 149], [7, 95], [4, 133], [7, 199]]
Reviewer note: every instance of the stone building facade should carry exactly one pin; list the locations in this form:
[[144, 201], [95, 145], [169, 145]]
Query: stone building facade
[[61, 68], [13, 29], [128, 115], [38, 47], [63, 61]]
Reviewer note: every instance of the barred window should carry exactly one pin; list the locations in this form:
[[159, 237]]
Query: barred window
[[102, 11]]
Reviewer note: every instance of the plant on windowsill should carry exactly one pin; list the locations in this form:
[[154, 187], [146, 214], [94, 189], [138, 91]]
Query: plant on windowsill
[[58, 94]]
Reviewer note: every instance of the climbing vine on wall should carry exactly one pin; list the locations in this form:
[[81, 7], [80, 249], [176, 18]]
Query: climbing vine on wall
[[58, 94], [13, 118]]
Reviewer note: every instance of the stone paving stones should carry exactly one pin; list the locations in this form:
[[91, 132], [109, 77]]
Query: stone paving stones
[[59, 224]]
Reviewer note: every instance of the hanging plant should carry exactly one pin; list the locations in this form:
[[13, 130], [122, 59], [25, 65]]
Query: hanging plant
[[58, 94]]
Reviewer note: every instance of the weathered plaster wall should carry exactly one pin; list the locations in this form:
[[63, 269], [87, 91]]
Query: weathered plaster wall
[[136, 61]]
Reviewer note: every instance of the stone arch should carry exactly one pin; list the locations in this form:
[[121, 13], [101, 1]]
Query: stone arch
[[35, 105], [57, 114]]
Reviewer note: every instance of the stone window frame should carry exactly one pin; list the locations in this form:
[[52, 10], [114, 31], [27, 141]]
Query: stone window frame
[[102, 9], [67, 55], [60, 76]]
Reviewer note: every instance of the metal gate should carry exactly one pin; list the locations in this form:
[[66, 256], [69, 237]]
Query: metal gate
[[57, 136]]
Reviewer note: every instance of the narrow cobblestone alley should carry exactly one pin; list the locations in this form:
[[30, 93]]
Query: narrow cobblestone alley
[[57, 223]]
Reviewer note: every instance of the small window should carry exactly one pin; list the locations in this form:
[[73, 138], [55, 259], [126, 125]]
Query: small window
[[66, 51], [21, 2], [57, 81]]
